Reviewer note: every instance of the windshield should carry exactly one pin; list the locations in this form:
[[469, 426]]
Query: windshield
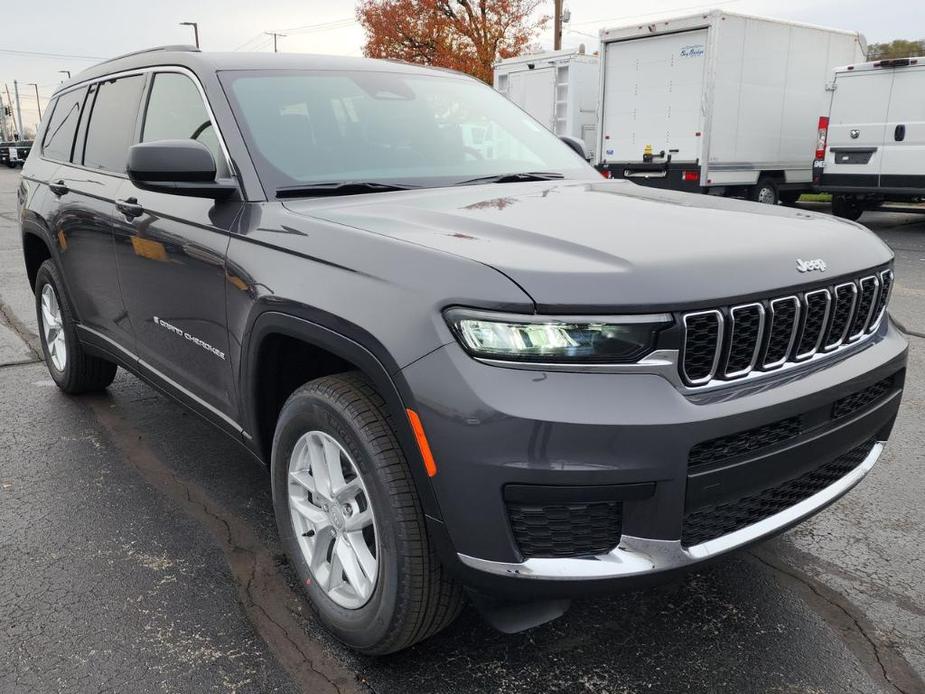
[[313, 127]]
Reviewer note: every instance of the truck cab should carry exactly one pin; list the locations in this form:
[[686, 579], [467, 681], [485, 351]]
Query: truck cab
[[871, 146]]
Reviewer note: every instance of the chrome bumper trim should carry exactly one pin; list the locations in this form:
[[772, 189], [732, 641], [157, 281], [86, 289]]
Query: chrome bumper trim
[[638, 555]]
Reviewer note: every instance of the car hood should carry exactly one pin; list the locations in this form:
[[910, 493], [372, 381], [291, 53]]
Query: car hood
[[614, 245]]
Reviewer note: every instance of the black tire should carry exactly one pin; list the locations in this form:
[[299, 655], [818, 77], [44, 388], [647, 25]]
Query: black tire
[[846, 207], [790, 197], [82, 373], [765, 191], [413, 597]]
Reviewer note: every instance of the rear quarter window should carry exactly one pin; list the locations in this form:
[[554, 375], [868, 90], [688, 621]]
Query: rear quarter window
[[62, 125]]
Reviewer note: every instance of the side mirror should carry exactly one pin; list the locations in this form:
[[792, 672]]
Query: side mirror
[[180, 167], [577, 145]]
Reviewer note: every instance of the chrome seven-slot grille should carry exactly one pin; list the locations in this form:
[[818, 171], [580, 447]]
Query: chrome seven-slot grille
[[727, 343]]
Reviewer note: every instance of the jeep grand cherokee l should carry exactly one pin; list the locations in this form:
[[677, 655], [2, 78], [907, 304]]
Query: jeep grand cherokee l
[[485, 368]]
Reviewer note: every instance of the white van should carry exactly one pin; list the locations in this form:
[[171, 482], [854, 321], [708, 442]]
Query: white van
[[871, 143], [717, 102], [558, 88]]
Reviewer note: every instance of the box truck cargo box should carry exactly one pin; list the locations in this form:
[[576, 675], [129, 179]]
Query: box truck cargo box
[[717, 102], [558, 88]]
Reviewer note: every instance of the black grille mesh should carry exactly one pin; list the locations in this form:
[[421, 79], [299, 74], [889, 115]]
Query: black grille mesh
[[704, 524], [783, 315], [566, 530], [868, 287], [886, 284], [700, 345], [816, 313], [743, 443], [843, 300], [746, 331], [825, 318], [858, 401]]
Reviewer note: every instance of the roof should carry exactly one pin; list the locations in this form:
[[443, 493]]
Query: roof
[[199, 61], [546, 56]]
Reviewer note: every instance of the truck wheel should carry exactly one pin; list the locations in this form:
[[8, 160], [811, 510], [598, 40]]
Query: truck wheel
[[789, 197], [351, 522], [764, 192], [71, 368], [846, 207]]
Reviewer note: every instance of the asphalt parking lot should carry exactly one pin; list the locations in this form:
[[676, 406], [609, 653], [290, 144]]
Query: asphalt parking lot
[[138, 552]]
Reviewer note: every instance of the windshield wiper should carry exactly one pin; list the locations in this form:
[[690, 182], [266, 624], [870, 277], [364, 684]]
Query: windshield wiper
[[514, 178], [339, 188]]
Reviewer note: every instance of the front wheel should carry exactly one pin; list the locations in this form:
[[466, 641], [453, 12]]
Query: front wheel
[[351, 522], [71, 368]]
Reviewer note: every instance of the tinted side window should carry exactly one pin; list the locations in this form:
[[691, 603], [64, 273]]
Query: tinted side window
[[112, 124], [176, 112], [59, 135]]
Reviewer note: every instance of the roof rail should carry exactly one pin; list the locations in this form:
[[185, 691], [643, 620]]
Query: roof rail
[[185, 48]]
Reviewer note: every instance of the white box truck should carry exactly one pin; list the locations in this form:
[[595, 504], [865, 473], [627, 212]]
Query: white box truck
[[871, 142], [558, 88], [717, 102]]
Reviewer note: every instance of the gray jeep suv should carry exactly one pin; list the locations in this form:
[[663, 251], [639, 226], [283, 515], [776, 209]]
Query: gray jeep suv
[[473, 366]]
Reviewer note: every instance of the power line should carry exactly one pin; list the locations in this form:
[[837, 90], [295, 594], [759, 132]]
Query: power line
[[10, 51]]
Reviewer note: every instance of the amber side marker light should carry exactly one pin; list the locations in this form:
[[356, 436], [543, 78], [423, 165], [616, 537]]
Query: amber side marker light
[[423, 446]]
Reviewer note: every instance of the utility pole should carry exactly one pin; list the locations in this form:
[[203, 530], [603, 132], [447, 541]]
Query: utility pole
[[3, 137], [9, 102], [195, 26], [66, 72], [18, 109], [557, 25], [275, 36], [38, 104]]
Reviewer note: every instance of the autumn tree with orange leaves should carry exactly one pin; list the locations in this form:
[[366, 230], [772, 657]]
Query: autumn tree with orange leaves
[[465, 35]]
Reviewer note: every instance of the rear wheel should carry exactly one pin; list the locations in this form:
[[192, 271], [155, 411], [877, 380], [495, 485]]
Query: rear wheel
[[73, 370], [764, 192], [351, 522], [846, 207], [790, 197]]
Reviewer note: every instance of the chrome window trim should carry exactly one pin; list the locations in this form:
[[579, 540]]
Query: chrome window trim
[[828, 347], [825, 323], [143, 71], [766, 366], [873, 304], [637, 555], [757, 351], [720, 330]]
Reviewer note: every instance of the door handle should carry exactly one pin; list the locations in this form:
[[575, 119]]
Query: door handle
[[900, 133], [130, 208], [58, 188]]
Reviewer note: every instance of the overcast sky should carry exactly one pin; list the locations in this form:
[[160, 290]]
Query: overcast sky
[[80, 32]]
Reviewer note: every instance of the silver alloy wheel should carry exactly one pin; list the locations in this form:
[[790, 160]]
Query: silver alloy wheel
[[333, 519], [53, 328], [766, 196]]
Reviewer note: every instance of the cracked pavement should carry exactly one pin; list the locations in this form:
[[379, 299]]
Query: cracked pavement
[[138, 552]]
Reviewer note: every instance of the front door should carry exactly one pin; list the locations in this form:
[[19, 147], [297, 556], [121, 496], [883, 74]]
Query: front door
[[170, 252]]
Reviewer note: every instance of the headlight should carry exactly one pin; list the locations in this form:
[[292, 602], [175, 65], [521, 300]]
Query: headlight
[[555, 340]]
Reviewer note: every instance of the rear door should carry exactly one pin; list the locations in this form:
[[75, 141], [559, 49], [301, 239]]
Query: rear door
[[86, 184], [857, 129], [653, 91], [903, 162], [535, 92]]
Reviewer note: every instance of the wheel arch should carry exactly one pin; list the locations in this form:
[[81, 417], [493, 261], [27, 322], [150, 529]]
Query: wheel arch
[[36, 250], [275, 337]]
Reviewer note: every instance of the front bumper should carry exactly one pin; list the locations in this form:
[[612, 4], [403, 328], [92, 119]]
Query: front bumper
[[493, 428], [637, 556]]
